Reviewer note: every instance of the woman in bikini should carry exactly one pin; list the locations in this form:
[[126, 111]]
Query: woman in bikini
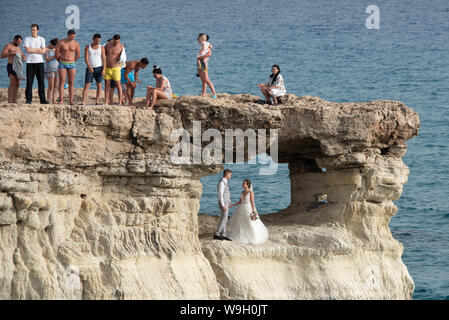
[[203, 68]]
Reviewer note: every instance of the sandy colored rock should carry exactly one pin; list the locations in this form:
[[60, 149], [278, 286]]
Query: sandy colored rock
[[92, 207], [339, 249]]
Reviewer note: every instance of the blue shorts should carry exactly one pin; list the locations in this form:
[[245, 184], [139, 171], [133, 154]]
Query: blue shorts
[[66, 65], [91, 75], [130, 76]]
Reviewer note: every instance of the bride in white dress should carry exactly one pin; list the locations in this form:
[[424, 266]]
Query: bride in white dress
[[245, 225]]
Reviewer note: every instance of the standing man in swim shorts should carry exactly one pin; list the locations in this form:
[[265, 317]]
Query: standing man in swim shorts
[[113, 51], [95, 58], [130, 76], [35, 48], [9, 51], [67, 53]]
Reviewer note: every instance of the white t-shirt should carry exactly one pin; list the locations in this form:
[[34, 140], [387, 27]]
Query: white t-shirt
[[34, 43], [95, 56]]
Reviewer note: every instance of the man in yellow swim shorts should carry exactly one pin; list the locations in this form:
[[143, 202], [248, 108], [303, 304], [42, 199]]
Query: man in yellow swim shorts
[[113, 50], [113, 74]]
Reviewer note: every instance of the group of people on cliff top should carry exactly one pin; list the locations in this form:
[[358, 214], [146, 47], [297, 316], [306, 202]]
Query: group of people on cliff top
[[108, 62]]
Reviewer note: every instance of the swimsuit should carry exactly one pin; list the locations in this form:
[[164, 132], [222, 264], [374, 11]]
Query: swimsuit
[[130, 76], [10, 70], [202, 66], [96, 74], [113, 74], [66, 65]]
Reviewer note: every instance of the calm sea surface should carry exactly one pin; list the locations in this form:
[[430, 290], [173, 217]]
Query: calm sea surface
[[325, 50]]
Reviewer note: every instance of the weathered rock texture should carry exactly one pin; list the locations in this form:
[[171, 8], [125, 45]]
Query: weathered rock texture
[[91, 207]]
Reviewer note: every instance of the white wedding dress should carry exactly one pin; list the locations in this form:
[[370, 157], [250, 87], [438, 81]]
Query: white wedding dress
[[242, 228]]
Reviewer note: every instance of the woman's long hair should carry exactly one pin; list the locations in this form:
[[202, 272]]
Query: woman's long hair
[[275, 76]]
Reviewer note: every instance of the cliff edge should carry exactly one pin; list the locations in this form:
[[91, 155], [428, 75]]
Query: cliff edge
[[92, 207]]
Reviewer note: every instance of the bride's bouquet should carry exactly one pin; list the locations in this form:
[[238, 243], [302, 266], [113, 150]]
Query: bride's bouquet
[[254, 215]]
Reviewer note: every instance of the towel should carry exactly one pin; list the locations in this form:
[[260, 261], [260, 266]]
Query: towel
[[123, 59], [17, 66]]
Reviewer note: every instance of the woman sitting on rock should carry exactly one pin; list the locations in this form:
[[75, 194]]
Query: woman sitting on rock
[[162, 90], [275, 87]]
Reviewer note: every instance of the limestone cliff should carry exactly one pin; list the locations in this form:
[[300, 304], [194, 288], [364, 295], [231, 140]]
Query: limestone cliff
[[91, 206]]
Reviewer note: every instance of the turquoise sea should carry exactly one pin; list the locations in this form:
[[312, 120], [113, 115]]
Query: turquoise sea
[[323, 49]]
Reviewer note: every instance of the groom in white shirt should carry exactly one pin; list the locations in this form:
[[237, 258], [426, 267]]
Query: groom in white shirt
[[224, 200]]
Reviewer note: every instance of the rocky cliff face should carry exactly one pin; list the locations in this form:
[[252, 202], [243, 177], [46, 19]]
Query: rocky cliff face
[[92, 207]]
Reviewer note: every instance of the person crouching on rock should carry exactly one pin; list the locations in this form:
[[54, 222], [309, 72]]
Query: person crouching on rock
[[275, 87], [161, 91], [130, 77]]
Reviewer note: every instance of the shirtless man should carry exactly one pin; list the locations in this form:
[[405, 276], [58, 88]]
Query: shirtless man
[[113, 51], [67, 53], [9, 51], [130, 76]]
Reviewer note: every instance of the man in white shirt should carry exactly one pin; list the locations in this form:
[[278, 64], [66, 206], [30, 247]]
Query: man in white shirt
[[35, 48], [224, 200], [95, 58]]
